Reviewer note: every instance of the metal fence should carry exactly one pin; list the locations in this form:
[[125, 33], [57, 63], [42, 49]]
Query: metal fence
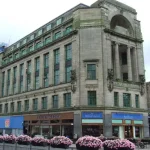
[[4, 146]]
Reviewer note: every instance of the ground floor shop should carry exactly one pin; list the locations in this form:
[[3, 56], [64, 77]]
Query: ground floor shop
[[95, 123], [11, 125]]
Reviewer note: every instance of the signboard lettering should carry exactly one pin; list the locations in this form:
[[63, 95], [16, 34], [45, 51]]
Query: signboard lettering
[[47, 117], [92, 115]]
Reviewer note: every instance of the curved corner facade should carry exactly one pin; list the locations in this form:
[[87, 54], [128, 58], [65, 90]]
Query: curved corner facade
[[81, 73]]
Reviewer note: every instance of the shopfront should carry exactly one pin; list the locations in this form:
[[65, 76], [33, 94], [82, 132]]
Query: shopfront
[[92, 123], [11, 125], [126, 125], [50, 124]]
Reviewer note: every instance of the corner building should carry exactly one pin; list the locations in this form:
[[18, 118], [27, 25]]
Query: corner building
[[81, 73]]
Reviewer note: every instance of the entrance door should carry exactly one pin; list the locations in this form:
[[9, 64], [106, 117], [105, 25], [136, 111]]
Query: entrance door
[[128, 132]]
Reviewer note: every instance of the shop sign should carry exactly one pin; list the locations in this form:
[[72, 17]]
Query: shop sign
[[92, 115], [49, 116], [127, 116]]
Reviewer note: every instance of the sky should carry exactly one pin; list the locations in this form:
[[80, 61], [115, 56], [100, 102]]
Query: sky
[[20, 17]]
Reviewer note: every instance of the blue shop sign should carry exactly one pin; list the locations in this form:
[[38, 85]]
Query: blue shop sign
[[11, 122], [92, 115], [127, 116]]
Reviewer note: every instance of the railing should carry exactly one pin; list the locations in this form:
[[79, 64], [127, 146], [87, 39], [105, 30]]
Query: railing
[[4, 146]]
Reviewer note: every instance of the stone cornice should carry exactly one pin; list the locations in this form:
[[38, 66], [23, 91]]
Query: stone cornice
[[112, 32]]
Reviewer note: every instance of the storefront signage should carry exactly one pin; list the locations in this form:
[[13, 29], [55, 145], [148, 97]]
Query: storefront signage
[[127, 116], [92, 115], [49, 116]]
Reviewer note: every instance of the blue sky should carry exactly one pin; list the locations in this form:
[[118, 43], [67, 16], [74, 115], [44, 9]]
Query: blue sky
[[20, 17]]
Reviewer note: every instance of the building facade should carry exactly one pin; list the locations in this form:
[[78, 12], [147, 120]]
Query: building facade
[[81, 73]]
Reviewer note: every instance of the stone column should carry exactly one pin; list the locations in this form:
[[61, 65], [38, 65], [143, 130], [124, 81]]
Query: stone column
[[25, 76], [5, 83], [33, 73], [129, 63], [18, 79], [117, 61], [41, 71], [136, 72], [62, 64]]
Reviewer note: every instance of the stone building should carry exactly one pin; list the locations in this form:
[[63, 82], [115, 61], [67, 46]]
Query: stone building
[[81, 73]]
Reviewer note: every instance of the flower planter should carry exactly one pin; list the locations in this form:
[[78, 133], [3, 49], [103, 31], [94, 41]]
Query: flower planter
[[64, 146], [39, 144], [86, 148], [10, 142], [23, 142], [124, 148], [107, 148]]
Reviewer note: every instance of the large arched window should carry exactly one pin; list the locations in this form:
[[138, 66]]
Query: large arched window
[[120, 24]]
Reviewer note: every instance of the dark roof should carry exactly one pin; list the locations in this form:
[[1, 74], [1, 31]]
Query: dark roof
[[115, 3]]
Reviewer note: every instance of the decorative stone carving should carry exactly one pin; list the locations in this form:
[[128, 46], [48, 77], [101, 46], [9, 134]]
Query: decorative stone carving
[[110, 77], [73, 80], [142, 84]]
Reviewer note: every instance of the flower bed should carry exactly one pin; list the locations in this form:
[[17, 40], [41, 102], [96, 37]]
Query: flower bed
[[118, 145], [9, 139], [23, 140], [60, 142], [88, 143]]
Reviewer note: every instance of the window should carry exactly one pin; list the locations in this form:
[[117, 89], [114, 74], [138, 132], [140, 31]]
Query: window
[[19, 106], [23, 51], [31, 37], [15, 80], [6, 108], [1, 108], [39, 32], [21, 77], [3, 83], [10, 58], [46, 70], [68, 66], [68, 29], [47, 40], [67, 100], [57, 35], [35, 104], [28, 71], [48, 27], [44, 102], [31, 48], [16, 55], [56, 67], [137, 101], [8, 82], [125, 76], [116, 99], [38, 45], [12, 107], [91, 71], [55, 101], [26, 105], [124, 58], [92, 98], [24, 41], [18, 44], [126, 100], [58, 22], [37, 67]]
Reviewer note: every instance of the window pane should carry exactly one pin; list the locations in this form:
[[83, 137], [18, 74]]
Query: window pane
[[92, 98], [91, 71], [55, 101], [67, 100]]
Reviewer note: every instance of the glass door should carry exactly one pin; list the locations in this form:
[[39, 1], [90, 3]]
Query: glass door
[[128, 132]]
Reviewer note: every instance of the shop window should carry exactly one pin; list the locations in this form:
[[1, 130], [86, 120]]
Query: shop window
[[56, 130], [125, 76], [126, 100], [128, 131], [92, 98], [116, 99], [124, 58], [92, 130], [137, 132], [54, 121], [137, 101], [67, 121], [115, 131], [91, 71]]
